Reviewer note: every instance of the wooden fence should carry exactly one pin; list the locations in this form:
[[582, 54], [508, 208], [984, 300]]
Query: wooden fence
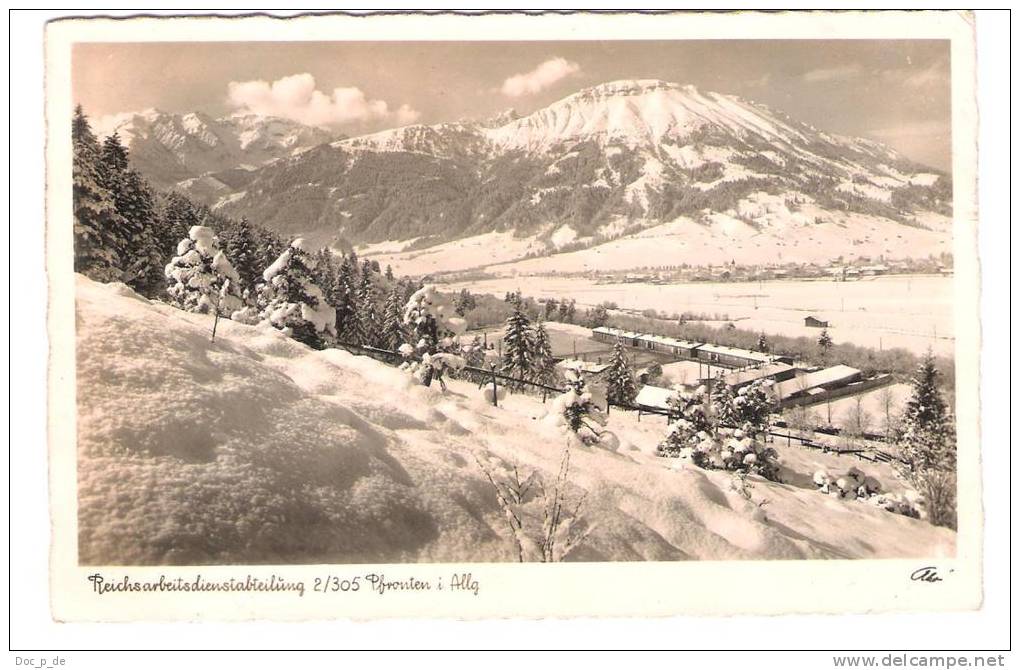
[[487, 376]]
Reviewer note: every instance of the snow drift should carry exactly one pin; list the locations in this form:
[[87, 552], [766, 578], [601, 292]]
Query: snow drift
[[257, 449]]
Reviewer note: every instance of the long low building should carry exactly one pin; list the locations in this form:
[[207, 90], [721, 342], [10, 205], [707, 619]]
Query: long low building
[[700, 351], [731, 356], [816, 382], [777, 372]]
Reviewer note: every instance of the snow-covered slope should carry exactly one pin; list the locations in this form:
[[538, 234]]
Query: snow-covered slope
[[257, 449], [638, 113]]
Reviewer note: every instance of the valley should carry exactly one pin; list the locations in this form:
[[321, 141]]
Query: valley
[[912, 312]]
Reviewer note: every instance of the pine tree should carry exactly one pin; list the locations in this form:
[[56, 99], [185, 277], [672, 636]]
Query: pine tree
[[345, 298], [98, 226], [393, 332], [598, 316], [763, 343], [177, 216], [928, 444], [707, 429], [620, 380], [293, 302], [464, 303], [824, 343], [544, 363], [435, 336], [242, 250], [200, 278], [518, 355], [578, 409], [271, 247], [115, 157], [570, 313], [552, 309], [143, 253], [389, 273], [147, 258], [368, 317]]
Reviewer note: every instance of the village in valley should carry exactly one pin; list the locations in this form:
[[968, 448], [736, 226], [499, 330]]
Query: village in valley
[[427, 344]]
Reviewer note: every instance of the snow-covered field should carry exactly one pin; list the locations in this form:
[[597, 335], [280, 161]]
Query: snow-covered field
[[780, 236], [257, 449], [913, 312], [872, 404], [462, 254]]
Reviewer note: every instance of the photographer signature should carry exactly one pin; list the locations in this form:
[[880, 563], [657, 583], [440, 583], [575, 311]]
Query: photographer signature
[[926, 574]]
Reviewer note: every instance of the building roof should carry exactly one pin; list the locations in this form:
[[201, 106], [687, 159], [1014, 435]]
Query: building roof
[[583, 366], [615, 332], [670, 341], [752, 374], [686, 344], [653, 396], [732, 351], [813, 379]]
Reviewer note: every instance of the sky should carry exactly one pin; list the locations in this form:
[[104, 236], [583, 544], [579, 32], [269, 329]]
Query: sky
[[895, 92]]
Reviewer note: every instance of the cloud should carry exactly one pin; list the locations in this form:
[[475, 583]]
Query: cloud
[[832, 73], [296, 98], [935, 75], [917, 129], [928, 142], [542, 77]]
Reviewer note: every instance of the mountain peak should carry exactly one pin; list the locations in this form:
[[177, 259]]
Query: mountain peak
[[629, 87]]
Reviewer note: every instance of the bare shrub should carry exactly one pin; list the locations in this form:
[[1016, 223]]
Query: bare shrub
[[545, 524]]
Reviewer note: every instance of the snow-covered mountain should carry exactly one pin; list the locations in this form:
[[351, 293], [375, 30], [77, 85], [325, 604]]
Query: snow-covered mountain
[[601, 164], [171, 148]]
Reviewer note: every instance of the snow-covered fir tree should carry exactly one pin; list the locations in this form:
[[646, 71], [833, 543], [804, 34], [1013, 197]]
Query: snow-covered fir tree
[[177, 216], [270, 248], [577, 410], [293, 302], [368, 315], [474, 352], [698, 432], [518, 347], [393, 333], [543, 363], [200, 278], [689, 415], [242, 249], [763, 343], [345, 298], [142, 257], [621, 389], [99, 229], [435, 334], [927, 444], [751, 407]]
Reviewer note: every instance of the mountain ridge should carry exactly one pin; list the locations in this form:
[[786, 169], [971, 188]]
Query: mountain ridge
[[596, 165]]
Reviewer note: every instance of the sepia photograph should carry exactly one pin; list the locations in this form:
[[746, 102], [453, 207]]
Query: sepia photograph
[[630, 301], [376, 300]]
